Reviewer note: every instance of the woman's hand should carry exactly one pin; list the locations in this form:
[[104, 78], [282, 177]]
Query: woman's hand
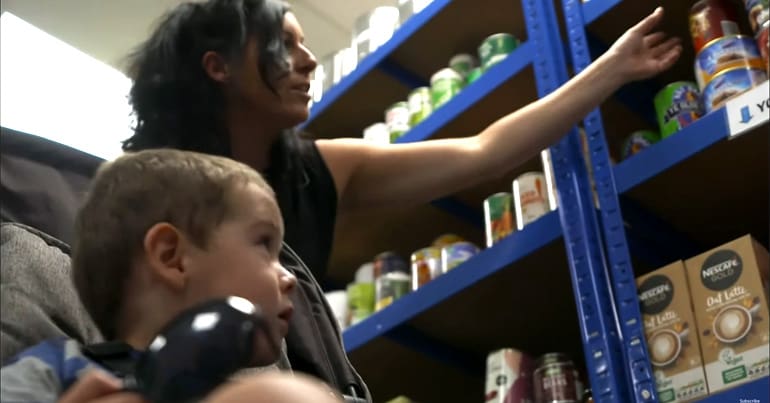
[[641, 52], [97, 386]]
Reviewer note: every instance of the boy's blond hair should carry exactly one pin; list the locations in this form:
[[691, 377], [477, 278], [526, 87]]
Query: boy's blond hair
[[189, 190]]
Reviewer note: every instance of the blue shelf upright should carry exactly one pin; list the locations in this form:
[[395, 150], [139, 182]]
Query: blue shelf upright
[[599, 326], [635, 356]]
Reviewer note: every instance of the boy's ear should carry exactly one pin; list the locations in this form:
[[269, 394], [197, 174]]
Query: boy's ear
[[164, 248], [215, 66]]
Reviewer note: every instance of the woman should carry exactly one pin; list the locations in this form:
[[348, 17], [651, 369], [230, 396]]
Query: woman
[[231, 77]]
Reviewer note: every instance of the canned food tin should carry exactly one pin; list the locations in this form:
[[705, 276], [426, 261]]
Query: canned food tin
[[758, 12], [530, 198], [730, 83], [711, 19], [763, 44], [444, 85], [474, 75], [390, 287], [726, 53], [447, 239], [509, 377], [677, 106], [498, 217], [557, 380], [377, 133], [496, 48], [463, 64], [360, 301], [426, 265], [638, 141], [420, 105], [388, 262], [550, 180], [455, 254]]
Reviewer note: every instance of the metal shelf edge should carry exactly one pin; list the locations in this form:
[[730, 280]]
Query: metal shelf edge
[[663, 155], [488, 262], [371, 61], [473, 93]]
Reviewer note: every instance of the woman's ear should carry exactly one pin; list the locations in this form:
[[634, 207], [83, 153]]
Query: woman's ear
[[164, 250], [215, 66]]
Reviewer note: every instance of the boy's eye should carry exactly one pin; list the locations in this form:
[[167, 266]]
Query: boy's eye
[[266, 242]]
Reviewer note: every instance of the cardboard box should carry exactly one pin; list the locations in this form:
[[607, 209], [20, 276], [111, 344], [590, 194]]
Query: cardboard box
[[672, 334], [729, 289]]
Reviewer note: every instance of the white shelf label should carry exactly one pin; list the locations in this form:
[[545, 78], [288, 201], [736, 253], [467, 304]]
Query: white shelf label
[[749, 110]]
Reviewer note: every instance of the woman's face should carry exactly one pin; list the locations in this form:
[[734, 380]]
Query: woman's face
[[288, 105]]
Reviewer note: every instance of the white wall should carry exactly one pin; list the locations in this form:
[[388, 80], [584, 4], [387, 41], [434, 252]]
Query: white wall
[[53, 90]]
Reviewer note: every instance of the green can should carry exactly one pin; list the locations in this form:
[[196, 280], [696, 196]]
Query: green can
[[496, 48], [420, 105], [677, 106], [390, 287], [360, 301], [463, 64], [475, 74], [638, 141], [397, 119], [444, 85]]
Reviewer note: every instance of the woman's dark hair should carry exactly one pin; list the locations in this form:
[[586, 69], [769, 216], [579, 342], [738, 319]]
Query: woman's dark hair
[[176, 104]]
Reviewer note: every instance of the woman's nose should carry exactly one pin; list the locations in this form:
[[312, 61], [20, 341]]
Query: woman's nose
[[305, 61]]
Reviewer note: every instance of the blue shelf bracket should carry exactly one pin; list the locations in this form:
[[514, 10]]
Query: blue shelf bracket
[[639, 377], [582, 236]]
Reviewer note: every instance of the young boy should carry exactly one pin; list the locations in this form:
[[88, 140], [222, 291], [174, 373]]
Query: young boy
[[162, 231]]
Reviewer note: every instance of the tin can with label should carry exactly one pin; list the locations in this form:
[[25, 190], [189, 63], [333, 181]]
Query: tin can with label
[[360, 301], [420, 105], [758, 12], [446, 239], [530, 198], [388, 262], [474, 75], [391, 286], [638, 141], [509, 377], [763, 44], [550, 180], [463, 64], [498, 217], [557, 380], [444, 85], [726, 53], [397, 119], [496, 48], [377, 133], [710, 20], [729, 84], [677, 106], [455, 254], [426, 265]]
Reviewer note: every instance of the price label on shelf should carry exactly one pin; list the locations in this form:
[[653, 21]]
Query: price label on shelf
[[749, 110]]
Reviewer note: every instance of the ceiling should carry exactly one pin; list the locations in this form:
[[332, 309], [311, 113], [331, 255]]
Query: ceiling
[[109, 29]]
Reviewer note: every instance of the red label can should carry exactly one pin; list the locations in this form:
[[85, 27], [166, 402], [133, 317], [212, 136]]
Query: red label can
[[710, 20], [556, 380]]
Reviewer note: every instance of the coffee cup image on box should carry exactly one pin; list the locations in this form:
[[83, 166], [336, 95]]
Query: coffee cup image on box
[[731, 324]]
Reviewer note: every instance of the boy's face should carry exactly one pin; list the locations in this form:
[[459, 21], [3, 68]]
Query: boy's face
[[241, 259]]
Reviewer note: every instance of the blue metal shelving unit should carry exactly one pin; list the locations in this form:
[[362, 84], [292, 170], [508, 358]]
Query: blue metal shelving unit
[[576, 218], [377, 59], [601, 341], [487, 263], [598, 253], [638, 373], [614, 181]]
